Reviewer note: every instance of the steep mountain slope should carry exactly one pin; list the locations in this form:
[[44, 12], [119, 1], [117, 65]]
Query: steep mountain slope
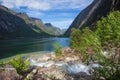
[[9, 23], [13, 24], [36, 24], [93, 13], [47, 27]]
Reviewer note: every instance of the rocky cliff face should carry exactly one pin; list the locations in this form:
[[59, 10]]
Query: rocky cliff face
[[93, 13]]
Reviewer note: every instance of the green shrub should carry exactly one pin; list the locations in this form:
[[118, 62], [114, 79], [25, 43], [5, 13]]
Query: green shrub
[[75, 38], [85, 40], [2, 63], [58, 50], [108, 29], [105, 38], [109, 72], [21, 64]]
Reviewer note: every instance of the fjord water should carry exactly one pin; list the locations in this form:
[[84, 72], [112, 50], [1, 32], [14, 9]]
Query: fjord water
[[14, 47]]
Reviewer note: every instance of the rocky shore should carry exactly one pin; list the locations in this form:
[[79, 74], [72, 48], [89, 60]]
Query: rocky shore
[[68, 66]]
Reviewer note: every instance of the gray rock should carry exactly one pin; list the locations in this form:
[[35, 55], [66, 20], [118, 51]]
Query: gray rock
[[9, 74], [34, 71]]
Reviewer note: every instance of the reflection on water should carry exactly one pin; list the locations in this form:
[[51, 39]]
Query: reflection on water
[[18, 46]]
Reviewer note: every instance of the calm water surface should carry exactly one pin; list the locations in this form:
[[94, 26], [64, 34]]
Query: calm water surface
[[13, 47]]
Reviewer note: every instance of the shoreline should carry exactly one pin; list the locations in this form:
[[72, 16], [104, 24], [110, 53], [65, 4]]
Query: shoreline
[[65, 67], [40, 53]]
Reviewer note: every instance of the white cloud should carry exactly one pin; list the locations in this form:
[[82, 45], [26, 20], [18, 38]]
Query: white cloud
[[69, 4], [34, 13], [31, 4], [47, 4], [35, 4]]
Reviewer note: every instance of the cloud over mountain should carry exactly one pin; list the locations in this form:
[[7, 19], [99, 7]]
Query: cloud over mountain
[[49, 10]]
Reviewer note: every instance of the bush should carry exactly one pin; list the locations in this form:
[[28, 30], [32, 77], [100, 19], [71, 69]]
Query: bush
[[2, 63], [75, 38], [20, 64], [58, 50], [85, 41], [105, 38], [108, 29]]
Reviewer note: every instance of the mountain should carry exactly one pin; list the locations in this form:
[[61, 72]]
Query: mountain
[[14, 24], [53, 30], [90, 15]]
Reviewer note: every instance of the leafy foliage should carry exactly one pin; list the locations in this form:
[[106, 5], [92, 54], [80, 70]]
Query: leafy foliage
[[105, 38], [21, 64], [58, 50], [108, 28], [2, 63], [84, 41], [76, 38]]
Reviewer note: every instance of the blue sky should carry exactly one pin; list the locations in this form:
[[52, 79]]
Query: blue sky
[[60, 13]]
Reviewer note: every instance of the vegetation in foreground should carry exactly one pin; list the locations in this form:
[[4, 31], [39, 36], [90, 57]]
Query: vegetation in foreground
[[58, 50], [92, 44], [21, 64]]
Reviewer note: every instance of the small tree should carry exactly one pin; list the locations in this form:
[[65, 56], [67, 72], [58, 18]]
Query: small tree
[[75, 36], [58, 50]]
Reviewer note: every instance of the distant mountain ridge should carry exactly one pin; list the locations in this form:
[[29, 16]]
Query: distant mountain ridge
[[90, 15], [14, 24], [49, 28]]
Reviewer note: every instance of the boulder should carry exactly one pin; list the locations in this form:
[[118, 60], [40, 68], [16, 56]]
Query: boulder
[[30, 76], [69, 59], [9, 73], [66, 50]]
